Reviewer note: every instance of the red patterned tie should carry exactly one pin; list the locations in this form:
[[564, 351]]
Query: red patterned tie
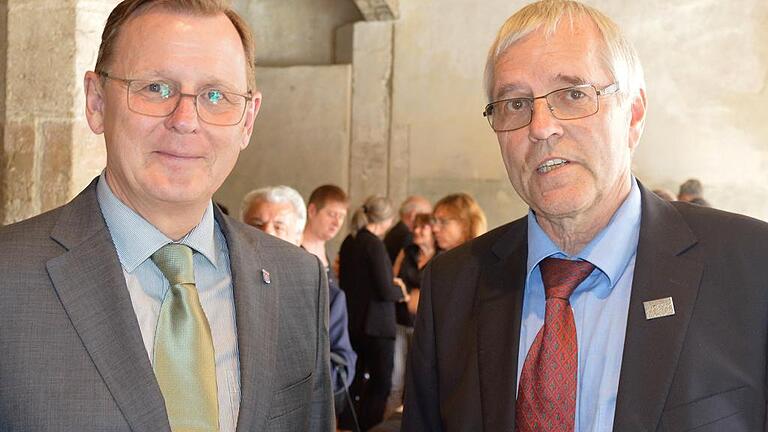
[[546, 399]]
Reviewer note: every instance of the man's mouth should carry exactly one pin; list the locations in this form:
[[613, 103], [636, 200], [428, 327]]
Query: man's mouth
[[550, 165]]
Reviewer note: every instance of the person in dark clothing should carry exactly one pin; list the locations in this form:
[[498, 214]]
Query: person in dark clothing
[[401, 234], [409, 266], [366, 278]]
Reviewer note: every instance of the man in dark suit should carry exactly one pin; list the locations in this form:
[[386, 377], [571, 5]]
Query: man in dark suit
[[139, 306], [605, 308]]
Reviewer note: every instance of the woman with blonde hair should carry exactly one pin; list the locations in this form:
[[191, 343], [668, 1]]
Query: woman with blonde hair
[[458, 219], [365, 273]]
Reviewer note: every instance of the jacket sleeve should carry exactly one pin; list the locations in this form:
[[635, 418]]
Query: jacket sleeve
[[422, 396], [381, 273], [340, 344], [322, 416]]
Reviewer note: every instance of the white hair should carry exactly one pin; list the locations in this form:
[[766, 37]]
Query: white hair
[[279, 195], [617, 53]]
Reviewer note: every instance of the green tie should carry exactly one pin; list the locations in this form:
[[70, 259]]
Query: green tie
[[184, 358]]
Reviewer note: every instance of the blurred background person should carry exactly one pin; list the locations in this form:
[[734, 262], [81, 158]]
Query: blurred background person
[[409, 266], [280, 211], [372, 291], [276, 210], [400, 235], [690, 190], [458, 218], [326, 210]]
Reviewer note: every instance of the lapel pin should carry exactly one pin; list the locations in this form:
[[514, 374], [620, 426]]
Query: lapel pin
[[265, 277], [659, 308]]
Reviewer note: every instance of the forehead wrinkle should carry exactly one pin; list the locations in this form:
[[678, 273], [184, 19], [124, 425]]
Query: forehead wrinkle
[[219, 58]]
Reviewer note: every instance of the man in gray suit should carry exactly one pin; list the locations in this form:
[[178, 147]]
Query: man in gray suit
[[139, 306]]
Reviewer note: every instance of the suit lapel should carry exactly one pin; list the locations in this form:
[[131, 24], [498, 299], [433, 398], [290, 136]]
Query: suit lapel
[[90, 284], [652, 347], [256, 309], [500, 293]]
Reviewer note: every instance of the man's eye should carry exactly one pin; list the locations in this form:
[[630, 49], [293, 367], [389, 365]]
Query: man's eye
[[576, 94], [214, 96], [161, 89], [516, 105]]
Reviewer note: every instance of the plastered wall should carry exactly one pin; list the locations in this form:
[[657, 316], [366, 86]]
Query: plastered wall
[[706, 65], [394, 106]]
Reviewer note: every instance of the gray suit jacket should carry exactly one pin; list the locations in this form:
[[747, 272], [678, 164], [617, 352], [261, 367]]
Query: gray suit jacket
[[71, 353], [705, 368]]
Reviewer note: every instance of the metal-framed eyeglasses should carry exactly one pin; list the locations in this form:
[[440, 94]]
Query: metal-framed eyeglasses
[[160, 98], [568, 103]]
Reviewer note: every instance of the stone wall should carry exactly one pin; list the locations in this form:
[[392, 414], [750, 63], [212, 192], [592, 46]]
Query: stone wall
[[394, 106], [48, 152]]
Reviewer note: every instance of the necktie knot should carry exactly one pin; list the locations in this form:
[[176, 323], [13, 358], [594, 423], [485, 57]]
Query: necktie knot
[[562, 276], [175, 262]]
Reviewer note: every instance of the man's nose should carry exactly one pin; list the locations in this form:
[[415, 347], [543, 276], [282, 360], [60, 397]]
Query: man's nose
[[543, 122], [184, 117]]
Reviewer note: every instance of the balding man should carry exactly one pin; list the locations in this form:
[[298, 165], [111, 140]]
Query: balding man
[[139, 306], [401, 234]]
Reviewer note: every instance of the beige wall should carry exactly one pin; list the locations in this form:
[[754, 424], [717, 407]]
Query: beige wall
[[403, 115], [297, 140], [706, 65], [296, 32]]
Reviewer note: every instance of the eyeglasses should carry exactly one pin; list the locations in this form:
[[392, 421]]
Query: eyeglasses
[[158, 98], [568, 103], [441, 222]]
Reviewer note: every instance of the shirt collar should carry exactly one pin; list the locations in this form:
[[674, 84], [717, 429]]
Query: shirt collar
[[136, 239], [611, 249]]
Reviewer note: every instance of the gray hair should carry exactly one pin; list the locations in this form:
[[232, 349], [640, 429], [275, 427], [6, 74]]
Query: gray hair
[[618, 54], [376, 208], [415, 203], [692, 187], [278, 195]]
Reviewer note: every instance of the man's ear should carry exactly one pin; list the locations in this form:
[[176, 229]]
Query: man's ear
[[312, 210], [637, 119], [94, 101], [250, 117]]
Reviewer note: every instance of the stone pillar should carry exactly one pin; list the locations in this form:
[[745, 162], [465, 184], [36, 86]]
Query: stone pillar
[[48, 153], [368, 47]]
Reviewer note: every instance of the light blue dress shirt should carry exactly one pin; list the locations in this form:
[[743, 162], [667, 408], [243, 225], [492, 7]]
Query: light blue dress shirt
[[136, 240], [600, 308]]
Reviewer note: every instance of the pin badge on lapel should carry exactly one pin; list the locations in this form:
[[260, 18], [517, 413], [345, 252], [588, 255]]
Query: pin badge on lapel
[[265, 277], [659, 308]]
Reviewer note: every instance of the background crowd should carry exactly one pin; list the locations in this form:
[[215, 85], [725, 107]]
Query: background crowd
[[374, 281]]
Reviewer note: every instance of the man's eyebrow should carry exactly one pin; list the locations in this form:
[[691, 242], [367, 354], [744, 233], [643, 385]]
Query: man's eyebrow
[[206, 80], [571, 79], [506, 89]]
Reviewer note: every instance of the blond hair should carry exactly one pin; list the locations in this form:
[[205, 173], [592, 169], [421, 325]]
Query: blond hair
[[466, 211], [618, 54], [130, 8]]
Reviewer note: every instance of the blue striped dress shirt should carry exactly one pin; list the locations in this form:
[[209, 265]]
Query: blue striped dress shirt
[[136, 240], [600, 308]]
